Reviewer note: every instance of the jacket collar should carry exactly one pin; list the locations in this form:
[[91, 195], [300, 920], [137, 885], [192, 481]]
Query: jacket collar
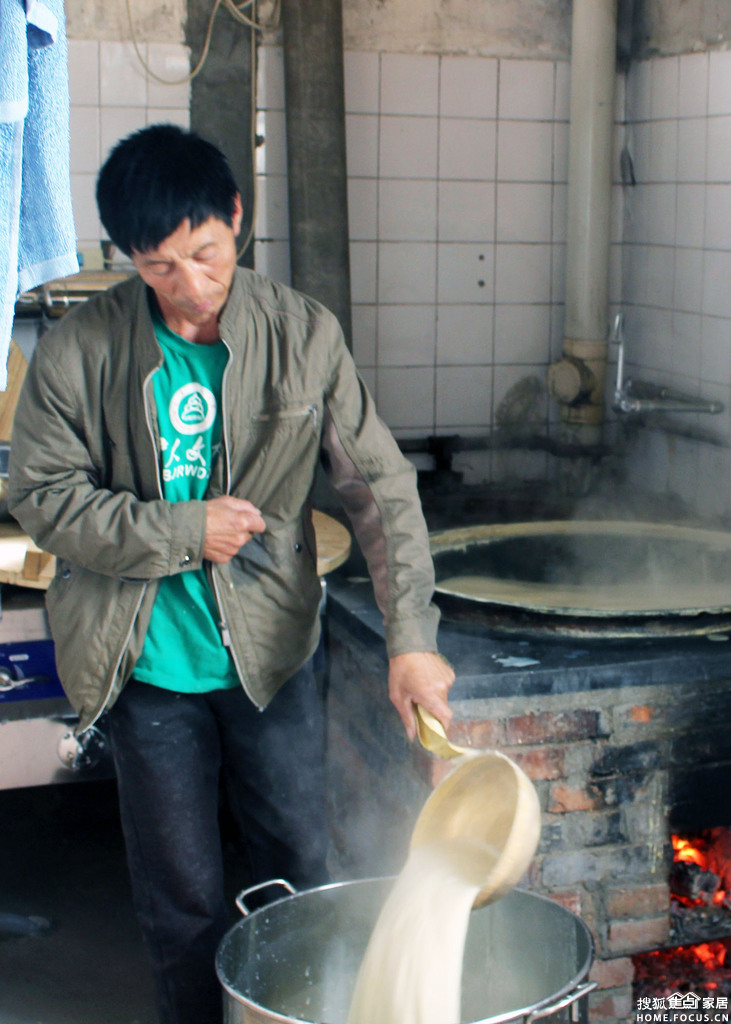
[[237, 312], [149, 353]]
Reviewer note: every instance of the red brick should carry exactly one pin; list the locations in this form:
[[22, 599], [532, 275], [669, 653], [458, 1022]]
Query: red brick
[[541, 763], [439, 769], [552, 727], [571, 900], [565, 798], [612, 973], [638, 936], [645, 901], [641, 713], [615, 1007], [483, 734]]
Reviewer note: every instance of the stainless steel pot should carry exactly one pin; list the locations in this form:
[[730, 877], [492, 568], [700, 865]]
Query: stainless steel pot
[[526, 958]]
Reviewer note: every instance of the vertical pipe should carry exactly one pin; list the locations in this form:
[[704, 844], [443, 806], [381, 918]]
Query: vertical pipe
[[318, 200], [593, 73], [220, 97]]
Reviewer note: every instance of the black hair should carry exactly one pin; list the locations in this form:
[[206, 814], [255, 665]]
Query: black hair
[[158, 177]]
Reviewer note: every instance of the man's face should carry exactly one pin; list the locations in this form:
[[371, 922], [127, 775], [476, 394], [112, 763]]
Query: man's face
[[191, 273]]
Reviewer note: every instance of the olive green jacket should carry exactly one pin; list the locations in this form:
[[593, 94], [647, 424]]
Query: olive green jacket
[[85, 485]]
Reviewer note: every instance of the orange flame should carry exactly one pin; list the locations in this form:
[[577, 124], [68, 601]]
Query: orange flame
[[711, 954], [685, 851]]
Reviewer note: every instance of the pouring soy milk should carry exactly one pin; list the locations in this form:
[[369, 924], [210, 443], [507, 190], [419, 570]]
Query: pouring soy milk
[[474, 838]]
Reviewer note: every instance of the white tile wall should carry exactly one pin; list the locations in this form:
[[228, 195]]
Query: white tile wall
[[407, 272], [407, 210], [406, 336], [457, 169], [677, 228], [466, 211], [526, 90], [463, 397], [409, 84], [457, 204], [525, 151], [468, 87], [408, 147], [112, 94], [406, 397], [464, 335], [467, 148], [693, 85]]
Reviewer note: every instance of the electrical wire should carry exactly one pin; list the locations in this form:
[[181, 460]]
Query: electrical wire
[[236, 10], [252, 128]]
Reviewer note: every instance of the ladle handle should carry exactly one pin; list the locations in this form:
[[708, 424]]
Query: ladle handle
[[433, 737]]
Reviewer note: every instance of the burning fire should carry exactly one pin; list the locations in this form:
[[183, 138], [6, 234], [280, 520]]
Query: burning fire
[[707, 888], [700, 883], [711, 954], [698, 968], [684, 850]]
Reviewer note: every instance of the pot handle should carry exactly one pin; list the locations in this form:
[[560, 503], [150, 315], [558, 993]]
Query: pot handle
[[242, 896], [572, 997]]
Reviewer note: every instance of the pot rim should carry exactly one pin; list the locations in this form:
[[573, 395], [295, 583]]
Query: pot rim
[[533, 598], [543, 1007]]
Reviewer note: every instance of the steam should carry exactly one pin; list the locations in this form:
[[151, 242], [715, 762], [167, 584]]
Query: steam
[[591, 566]]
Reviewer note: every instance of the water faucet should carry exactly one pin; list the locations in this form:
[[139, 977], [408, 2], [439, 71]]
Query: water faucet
[[641, 396]]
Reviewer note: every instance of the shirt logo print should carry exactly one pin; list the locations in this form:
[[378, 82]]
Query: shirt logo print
[[193, 455], [192, 409]]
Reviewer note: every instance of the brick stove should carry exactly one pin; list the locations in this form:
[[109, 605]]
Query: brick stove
[[627, 742]]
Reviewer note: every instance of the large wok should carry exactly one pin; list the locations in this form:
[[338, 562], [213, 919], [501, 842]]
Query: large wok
[[587, 577]]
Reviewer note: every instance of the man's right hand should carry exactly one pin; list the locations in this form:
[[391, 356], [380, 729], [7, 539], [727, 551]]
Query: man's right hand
[[230, 523]]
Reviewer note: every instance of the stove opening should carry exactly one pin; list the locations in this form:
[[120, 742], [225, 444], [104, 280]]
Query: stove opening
[[698, 966], [700, 886]]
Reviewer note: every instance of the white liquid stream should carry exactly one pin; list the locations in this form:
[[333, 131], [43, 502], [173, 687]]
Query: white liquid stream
[[411, 972]]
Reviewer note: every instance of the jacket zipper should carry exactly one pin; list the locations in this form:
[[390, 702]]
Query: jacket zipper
[[125, 645], [288, 414], [226, 637], [222, 624], [150, 430]]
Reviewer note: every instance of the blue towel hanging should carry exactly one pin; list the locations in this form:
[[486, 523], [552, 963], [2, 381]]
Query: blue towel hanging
[[37, 234]]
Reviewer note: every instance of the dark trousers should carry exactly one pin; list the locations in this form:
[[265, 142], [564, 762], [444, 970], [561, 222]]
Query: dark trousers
[[171, 751]]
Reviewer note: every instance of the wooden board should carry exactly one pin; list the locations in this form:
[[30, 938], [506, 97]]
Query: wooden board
[[17, 366], [25, 565], [21, 562], [333, 542]]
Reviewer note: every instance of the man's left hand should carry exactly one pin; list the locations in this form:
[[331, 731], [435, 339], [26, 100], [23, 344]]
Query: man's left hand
[[424, 678]]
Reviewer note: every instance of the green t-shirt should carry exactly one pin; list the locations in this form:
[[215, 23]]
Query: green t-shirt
[[183, 649]]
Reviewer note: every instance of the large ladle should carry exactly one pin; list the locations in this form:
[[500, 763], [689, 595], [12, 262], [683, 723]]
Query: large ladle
[[486, 798]]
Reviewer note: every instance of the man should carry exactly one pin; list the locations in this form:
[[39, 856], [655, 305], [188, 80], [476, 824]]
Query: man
[[164, 448]]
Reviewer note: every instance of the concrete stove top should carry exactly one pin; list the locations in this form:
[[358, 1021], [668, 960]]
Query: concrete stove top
[[491, 665]]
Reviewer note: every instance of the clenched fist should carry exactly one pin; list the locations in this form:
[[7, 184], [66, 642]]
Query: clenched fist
[[230, 523]]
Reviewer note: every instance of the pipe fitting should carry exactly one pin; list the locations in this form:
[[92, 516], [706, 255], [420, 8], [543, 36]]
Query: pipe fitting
[[576, 380], [570, 381]]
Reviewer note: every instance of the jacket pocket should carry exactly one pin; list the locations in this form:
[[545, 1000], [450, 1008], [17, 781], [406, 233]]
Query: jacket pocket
[[285, 443], [300, 415]]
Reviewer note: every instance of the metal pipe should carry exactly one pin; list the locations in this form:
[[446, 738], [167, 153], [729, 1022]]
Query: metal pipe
[[665, 401], [316, 167], [593, 72], [642, 396]]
